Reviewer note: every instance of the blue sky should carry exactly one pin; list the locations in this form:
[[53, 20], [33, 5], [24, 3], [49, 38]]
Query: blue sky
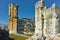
[[26, 8]]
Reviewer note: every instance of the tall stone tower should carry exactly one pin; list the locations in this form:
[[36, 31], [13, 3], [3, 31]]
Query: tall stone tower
[[39, 8], [13, 17], [47, 20]]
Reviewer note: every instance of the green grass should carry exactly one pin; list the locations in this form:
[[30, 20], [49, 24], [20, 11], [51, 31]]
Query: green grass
[[28, 34], [17, 37]]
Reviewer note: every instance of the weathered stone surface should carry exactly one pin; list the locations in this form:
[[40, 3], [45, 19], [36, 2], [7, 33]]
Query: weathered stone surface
[[50, 26]]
